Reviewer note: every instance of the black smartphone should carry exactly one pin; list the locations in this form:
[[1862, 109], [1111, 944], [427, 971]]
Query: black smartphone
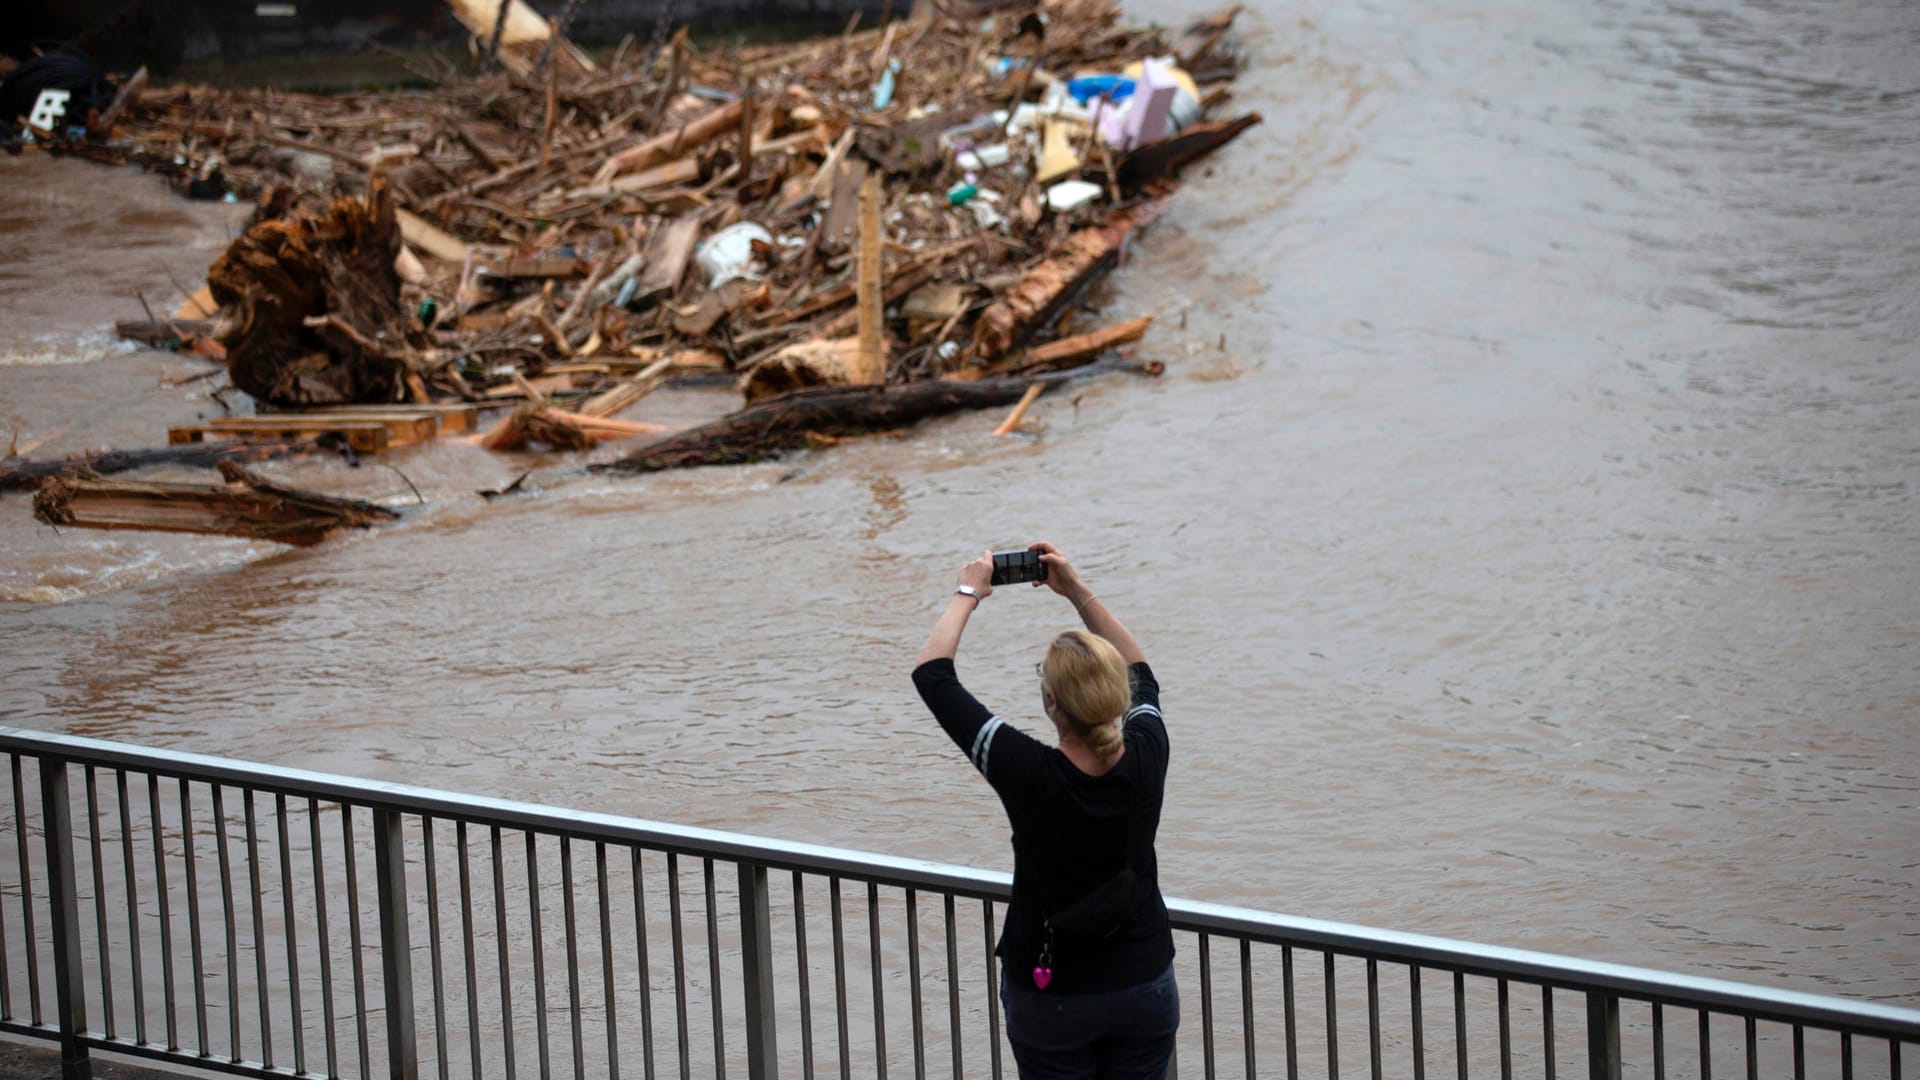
[[1010, 567]]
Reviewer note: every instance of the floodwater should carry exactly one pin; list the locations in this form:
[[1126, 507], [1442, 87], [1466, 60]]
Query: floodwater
[[1524, 532]]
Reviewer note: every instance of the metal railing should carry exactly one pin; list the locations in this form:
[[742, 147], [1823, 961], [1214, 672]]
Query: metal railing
[[191, 909]]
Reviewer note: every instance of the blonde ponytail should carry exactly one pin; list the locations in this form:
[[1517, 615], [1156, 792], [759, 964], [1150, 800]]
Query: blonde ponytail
[[1088, 681]]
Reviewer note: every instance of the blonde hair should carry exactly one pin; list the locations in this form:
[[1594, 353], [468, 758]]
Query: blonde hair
[[1088, 681]]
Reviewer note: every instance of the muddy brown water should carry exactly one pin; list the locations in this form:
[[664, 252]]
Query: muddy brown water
[[1524, 532]]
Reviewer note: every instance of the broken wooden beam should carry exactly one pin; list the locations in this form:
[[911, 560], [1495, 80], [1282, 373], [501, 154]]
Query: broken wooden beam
[[367, 433], [1047, 288], [1163, 160], [672, 143], [871, 364], [1090, 343], [250, 506]]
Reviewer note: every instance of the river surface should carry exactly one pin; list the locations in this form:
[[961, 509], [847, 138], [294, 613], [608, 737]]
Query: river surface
[[1524, 532]]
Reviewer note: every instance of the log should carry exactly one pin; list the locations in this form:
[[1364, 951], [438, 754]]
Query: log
[[1163, 160], [250, 506], [784, 422], [1050, 286], [19, 474]]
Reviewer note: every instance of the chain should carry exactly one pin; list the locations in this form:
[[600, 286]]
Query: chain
[[664, 25]]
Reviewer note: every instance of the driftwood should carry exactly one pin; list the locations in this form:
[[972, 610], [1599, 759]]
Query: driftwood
[[784, 422], [19, 474], [251, 506], [1163, 160]]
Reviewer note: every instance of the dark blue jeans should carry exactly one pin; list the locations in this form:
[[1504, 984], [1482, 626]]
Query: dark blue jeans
[[1117, 1035]]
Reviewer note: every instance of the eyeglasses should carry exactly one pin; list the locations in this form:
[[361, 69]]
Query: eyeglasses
[[1037, 665]]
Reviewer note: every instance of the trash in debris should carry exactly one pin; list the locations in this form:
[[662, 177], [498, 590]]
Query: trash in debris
[[728, 254], [1069, 195]]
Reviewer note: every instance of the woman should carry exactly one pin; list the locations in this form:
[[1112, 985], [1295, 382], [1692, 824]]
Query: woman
[[1086, 954]]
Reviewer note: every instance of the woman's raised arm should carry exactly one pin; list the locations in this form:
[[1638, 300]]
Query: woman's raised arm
[[1065, 580]]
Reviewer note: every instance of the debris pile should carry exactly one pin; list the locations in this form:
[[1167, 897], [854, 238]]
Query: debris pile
[[909, 207]]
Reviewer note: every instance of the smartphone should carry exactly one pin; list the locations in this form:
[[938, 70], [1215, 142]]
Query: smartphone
[[1010, 567]]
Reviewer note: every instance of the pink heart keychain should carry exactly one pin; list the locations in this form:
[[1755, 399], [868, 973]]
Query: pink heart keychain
[[1042, 976]]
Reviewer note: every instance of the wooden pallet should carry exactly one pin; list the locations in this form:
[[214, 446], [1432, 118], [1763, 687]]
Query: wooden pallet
[[368, 436]]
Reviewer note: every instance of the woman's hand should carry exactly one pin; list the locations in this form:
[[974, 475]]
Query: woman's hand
[[1061, 576], [979, 574]]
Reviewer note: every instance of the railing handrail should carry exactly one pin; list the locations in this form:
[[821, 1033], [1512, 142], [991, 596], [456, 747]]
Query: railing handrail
[[1574, 973]]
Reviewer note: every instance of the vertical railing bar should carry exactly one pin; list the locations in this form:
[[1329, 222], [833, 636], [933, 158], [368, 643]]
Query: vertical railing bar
[[193, 918], [1418, 1003], [467, 949], [539, 957], [573, 956], [1373, 1015], [840, 977], [229, 922], [1706, 1046], [99, 902], [713, 971], [32, 939], [1799, 1052], [913, 984], [1546, 1029], [353, 934], [1846, 1055], [993, 990], [646, 967], [762, 1027], [498, 854], [259, 929], [806, 988], [879, 989], [1753, 1051], [1893, 1058], [429, 863], [1603, 1036], [133, 910], [293, 942], [679, 965], [953, 986], [63, 918], [6, 968], [1206, 1005], [1506, 1033], [606, 960], [326, 940], [1286, 1007], [1246, 1004], [396, 945], [166, 916], [1460, 1056], [1659, 1042], [1333, 1022]]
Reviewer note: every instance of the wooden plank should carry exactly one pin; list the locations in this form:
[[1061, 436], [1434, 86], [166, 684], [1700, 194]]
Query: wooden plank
[[668, 253], [843, 210], [547, 267], [447, 418], [871, 367], [430, 238]]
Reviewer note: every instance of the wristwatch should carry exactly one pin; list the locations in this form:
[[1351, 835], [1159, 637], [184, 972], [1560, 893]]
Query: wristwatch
[[968, 590]]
